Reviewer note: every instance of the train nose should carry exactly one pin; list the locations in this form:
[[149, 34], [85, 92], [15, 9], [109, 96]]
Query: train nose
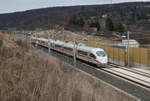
[[103, 60]]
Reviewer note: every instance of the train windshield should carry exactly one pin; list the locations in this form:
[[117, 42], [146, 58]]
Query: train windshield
[[101, 53]]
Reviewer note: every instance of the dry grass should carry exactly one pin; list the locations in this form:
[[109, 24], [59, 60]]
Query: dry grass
[[27, 74]]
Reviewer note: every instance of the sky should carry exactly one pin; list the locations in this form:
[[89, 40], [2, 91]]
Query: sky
[[8, 6]]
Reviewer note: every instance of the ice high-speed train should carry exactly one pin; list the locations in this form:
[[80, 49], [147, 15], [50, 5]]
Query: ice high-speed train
[[90, 54]]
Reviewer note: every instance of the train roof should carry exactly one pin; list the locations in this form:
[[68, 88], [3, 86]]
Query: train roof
[[89, 49], [81, 47]]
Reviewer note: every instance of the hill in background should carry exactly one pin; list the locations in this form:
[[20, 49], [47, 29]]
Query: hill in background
[[135, 15]]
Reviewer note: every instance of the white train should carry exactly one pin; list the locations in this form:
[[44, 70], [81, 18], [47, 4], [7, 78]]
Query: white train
[[90, 54]]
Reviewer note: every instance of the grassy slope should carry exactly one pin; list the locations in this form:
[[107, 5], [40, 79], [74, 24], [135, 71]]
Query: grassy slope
[[27, 74]]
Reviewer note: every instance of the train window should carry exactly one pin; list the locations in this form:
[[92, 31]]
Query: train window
[[57, 46], [68, 48], [82, 52], [42, 42], [101, 53], [93, 56]]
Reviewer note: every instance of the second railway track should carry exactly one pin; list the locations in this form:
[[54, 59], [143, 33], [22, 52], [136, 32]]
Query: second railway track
[[133, 77], [135, 70], [140, 78]]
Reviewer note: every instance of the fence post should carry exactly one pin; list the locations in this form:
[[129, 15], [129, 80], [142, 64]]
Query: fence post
[[148, 58], [49, 44], [128, 52], [74, 53], [36, 44]]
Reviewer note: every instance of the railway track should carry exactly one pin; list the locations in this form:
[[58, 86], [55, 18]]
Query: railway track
[[135, 70], [139, 78], [136, 78]]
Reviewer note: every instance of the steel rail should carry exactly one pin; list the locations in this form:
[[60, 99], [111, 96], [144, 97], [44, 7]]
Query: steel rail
[[131, 78], [131, 70]]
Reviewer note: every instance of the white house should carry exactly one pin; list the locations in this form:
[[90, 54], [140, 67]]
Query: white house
[[131, 43]]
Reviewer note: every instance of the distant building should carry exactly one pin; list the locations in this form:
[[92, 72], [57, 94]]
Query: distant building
[[123, 36], [12, 29], [148, 15], [131, 43], [102, 23], [93, 17], [92, 29], [104, 16], [38, 29]]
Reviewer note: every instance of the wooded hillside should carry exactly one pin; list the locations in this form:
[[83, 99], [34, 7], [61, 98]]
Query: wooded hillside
[[136, 15]]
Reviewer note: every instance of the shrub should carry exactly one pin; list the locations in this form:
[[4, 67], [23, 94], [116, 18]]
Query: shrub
[[22, 45], [109, 24]]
